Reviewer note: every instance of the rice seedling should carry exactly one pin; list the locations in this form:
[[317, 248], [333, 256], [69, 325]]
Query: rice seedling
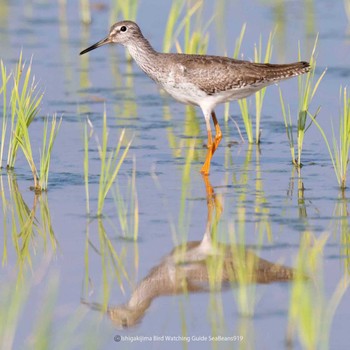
[[128, 210], [307, 90], [3, 90], [25, 144], [259, 96], [110, 163], [289, 128], [40, 178], [339, 152], [25, 103], [310, 311], [47, 145]]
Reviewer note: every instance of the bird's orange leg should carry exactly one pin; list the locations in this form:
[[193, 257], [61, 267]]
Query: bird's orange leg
[[212, 146], [218, 133]]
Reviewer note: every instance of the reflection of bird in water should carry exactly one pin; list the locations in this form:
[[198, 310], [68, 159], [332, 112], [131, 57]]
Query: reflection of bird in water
[[200, 80], [188, 268]]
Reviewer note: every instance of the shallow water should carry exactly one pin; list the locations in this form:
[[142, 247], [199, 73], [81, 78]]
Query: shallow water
[[257, 187]]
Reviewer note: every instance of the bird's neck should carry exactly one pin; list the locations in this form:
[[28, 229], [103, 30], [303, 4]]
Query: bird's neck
[[144, 55]]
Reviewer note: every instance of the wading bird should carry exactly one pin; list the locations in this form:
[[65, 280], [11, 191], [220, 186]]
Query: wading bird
[[199, 80]]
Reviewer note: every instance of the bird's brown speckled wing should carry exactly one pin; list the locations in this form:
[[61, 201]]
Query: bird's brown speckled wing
[[214, 74]]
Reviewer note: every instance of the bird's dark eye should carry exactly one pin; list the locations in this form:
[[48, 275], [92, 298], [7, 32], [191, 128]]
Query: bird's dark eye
[[123, 29]]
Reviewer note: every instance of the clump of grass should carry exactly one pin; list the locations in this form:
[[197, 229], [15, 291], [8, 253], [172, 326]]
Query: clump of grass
[[259, 96], [24, 106], [47, 145], [110, 163], [41, 177], [307, 90], [25, 144], [341, 146]]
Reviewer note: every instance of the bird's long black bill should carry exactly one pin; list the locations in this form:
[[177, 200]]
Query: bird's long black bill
[[95, 46]]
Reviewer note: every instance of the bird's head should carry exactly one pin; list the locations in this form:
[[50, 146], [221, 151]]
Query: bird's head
[[123, 32]]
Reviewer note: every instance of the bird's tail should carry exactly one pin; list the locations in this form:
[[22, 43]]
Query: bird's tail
[[276, 72]]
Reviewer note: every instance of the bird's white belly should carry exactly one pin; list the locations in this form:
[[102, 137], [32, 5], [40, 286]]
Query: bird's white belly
[[190, 94], [184, 92]]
